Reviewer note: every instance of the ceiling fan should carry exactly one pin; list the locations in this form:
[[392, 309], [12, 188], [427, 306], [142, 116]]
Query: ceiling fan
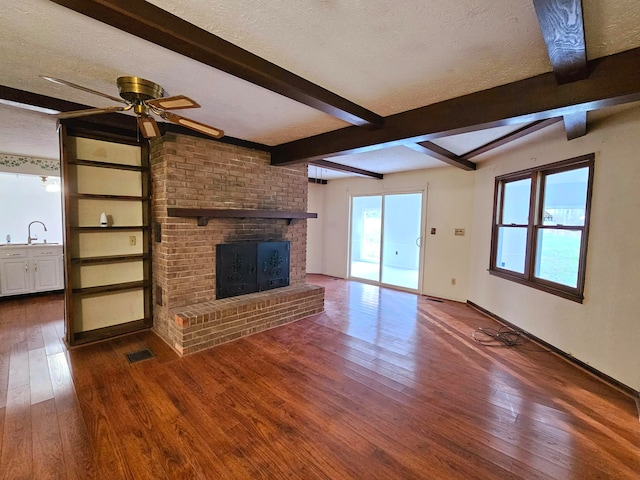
[[144, 97]]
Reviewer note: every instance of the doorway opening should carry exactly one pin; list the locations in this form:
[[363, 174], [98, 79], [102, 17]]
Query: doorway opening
[[386, 239]]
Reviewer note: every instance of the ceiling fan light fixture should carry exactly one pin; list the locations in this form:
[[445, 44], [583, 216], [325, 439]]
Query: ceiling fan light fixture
[[144, 97], [148, 127], [135, 89]]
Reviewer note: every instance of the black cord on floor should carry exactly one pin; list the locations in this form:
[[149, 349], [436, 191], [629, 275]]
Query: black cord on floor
[[504, 337]]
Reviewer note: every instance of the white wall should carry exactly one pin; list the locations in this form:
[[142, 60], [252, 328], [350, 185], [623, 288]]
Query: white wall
[[315, 228], [22, 200], [604, 331], [23, 153], [449, 193]]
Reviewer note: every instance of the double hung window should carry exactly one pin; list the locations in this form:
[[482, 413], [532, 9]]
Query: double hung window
[[541, 224]]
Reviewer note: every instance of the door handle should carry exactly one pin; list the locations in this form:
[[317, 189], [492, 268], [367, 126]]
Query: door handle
[[419, 241]]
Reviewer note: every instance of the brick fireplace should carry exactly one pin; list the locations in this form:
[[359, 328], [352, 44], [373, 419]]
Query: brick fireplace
[[190, 172]]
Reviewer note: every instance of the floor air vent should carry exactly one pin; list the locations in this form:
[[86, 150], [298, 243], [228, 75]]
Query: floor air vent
[[140, 355]]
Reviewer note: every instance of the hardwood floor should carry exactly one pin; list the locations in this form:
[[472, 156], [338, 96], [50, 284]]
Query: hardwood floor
[[383, 385]]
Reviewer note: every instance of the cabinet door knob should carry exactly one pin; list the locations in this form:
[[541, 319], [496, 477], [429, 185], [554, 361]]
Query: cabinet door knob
[[35, 266], [26, 267]]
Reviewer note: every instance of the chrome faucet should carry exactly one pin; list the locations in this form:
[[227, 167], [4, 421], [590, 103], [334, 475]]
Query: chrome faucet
[[29, 230]]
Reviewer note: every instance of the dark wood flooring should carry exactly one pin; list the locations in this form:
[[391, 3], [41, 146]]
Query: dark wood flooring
[[384, 385]]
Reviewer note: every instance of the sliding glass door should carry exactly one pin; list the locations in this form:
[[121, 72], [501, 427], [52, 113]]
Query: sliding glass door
[[386, 239]]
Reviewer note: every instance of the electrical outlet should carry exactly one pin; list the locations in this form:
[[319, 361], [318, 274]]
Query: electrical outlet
[[453, 281], [459, 232], [132, 240]]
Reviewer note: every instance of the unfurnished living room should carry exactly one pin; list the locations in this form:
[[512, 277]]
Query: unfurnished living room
[[319, 239]]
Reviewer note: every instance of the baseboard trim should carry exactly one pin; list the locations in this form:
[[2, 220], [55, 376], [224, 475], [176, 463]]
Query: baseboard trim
[[565, 356]]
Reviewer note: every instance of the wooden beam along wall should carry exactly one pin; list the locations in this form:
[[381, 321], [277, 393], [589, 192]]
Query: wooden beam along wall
[[510, 137], [345, 168], [442, 154]]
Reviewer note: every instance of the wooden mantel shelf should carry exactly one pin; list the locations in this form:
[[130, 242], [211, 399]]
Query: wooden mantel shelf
[[205, 214]]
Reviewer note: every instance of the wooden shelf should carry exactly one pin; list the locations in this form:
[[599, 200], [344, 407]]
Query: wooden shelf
[[117, 166], [109, 259], [128, 228], [100, 303], [205, 214], [111, 288], [88, 336], [93, 196]]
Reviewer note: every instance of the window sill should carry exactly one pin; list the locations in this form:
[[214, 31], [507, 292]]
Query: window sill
[[573, 296]]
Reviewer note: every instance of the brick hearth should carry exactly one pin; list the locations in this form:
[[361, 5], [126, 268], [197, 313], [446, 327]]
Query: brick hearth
[[208, 324], [189, 172]]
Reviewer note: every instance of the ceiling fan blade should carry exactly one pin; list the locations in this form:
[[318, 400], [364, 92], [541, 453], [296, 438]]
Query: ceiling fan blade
[[193, 125], [89, 111], [148, 127], [59, 81], [176, 102]]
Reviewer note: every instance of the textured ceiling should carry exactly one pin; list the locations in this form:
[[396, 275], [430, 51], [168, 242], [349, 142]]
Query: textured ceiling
[[394, 56], [386, 56], [23, 132]]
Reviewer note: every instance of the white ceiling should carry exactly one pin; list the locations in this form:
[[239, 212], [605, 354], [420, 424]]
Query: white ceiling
[[386, 56]]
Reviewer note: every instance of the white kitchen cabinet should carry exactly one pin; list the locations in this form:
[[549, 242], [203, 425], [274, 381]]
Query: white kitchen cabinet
[[47, 267], [29, 269], [14, 271]]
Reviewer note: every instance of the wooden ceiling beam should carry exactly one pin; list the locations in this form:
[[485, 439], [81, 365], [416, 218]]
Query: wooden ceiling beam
[[442, 154], [109, 120], [575, 125], [613, 80], [158, 26], [345, 168], [34, 99], [511, 136], [319, 181], [562, 27]]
